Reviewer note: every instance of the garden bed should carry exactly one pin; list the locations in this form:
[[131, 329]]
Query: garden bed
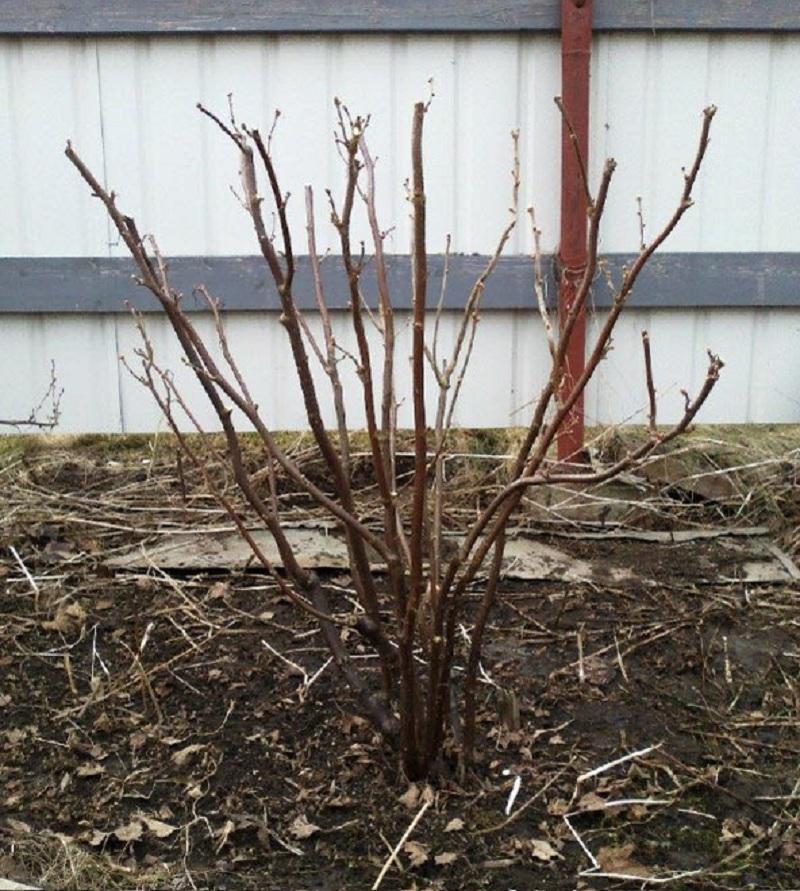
[[171, 729]]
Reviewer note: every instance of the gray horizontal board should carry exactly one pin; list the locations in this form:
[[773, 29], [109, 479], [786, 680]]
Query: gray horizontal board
[[320, 16], [84, 285]]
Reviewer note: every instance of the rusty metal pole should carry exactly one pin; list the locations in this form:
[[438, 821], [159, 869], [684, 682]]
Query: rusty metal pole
[[576, 46]]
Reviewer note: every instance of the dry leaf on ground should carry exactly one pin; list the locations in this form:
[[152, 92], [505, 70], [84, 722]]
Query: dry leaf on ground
[[617, 859], [219, 590], [129, 832], [68, 619], [410, 797], [301, 828], [158, 827], [183, 756], [544, 851], [591, 801], [417, 852]]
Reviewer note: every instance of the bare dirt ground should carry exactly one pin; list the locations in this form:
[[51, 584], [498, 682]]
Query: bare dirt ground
[[150, 738]]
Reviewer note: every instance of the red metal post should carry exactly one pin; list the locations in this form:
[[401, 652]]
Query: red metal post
[[576, 45]]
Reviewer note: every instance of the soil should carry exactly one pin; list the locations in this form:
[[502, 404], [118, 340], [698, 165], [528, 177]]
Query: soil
[[151, 739]]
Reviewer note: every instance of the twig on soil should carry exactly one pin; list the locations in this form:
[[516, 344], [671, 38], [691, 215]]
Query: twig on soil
[[581, 669], [617, 761], [318, 672], [728, 670], [673, 626], [228, 713], [512, 795], [621, 664], [645, 880], [596, 870], [187, 846], [521, 810], [70, 676], [292, 849], [389, 848], [96, 657], [403, 839], [293, 665], [580, 841], [147, 687], [28, 576]]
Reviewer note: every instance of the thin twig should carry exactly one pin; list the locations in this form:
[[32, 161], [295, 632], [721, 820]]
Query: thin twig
[[403, 839]]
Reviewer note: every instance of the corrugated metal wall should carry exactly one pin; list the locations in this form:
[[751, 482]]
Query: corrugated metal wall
[[128, 105], [759, 383]]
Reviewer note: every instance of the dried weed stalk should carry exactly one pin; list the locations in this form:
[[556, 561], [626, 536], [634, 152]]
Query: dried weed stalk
[[46, 413]]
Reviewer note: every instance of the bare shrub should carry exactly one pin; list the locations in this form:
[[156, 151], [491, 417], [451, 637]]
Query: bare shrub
[[412, 621]]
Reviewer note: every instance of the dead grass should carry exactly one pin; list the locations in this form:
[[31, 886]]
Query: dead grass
[[54, 861], [751, 471]]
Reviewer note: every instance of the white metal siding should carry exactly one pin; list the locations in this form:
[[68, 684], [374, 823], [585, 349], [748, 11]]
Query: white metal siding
[[128, 105], [508, 371], [646, 96]]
